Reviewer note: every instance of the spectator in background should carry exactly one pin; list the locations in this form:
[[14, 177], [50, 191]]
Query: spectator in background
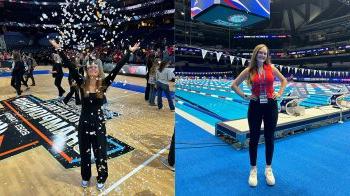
[[152, 81], [31, 63], [17, 68], [57, 73], [24, 71], [163, 76], [149, 64]]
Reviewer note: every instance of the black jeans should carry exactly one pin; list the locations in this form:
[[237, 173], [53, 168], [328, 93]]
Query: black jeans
[[257, 113], [30, 75], [24, 81], [164, 87], [58, 80], [98, 141], [147, 91], [72, 90]]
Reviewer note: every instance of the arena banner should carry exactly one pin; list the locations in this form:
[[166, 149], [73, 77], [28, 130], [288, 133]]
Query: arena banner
[[53, 125]]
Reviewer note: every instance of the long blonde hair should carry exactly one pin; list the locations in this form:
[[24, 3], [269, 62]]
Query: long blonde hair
[[100, 87], [253, 66]]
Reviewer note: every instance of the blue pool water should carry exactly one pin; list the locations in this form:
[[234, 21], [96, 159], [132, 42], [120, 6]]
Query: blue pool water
[[213, 101]]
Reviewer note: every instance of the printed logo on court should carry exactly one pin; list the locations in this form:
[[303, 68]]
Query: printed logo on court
[[27, 122]]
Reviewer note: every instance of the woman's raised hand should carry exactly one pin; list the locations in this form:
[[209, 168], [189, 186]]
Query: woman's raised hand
[[54, 44], [135, 47]]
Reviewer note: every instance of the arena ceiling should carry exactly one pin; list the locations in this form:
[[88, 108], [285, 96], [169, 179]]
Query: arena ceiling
[[303, 19]]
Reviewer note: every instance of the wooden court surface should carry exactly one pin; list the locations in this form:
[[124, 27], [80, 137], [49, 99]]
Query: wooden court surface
[[147, 129]]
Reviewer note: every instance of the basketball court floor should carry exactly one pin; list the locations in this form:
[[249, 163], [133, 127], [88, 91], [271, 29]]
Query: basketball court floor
[[39, 157]]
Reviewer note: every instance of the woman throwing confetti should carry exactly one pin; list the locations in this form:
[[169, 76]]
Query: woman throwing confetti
[[91, 128]]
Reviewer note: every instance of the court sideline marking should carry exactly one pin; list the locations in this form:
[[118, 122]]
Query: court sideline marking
[[144, 164], [203, 125]]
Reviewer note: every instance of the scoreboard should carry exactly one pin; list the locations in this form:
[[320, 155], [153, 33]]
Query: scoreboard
[[231, 13]]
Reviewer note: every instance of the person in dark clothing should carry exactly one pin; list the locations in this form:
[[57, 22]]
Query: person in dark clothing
[[31, 65], [23, 71], [57, 73], [17, 72], [72, 91], [91, 128], [171, 155], [170, 162], [149, 64]]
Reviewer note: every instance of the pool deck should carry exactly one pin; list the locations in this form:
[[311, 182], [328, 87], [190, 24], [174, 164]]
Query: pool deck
[[287, 124]]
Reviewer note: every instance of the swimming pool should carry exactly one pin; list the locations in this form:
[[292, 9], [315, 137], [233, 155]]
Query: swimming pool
[[212, 100]]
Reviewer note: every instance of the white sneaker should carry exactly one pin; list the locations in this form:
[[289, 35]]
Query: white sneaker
[[270, 179], [253, 178], [84, 183], [100, 186]]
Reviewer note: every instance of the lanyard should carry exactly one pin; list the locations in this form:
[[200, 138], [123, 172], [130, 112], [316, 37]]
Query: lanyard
[[260, 82]]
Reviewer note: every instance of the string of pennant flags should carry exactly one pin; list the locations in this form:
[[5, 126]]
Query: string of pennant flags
[[219, 54], [203, 73], [287, 69], [314, 72], [281, 67]]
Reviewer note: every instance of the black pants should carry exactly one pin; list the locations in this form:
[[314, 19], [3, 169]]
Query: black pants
[[30, 75], [16, 83], [171, 155], [81, 71], [23, 80], [147, 91], [72, 90], [58, 81], [256, 114], [98, 141]]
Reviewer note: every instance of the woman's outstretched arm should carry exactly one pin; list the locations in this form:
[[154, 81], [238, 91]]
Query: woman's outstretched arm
[[65, 61], [111, 76]]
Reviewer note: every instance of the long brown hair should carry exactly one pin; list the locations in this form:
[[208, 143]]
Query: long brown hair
[[253, 66], [100, 87], [162, 66], [154, 67], [16, 56]]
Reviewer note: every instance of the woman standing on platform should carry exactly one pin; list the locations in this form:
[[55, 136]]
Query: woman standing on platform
[[260, 75], [91, 128]]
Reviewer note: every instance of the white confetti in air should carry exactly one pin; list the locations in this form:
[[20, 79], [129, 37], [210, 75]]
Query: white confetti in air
[[58, 142], [45, 16], [83, 19]]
